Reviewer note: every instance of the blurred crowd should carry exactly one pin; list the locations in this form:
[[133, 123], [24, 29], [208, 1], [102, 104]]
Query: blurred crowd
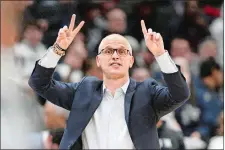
[[193, 35]]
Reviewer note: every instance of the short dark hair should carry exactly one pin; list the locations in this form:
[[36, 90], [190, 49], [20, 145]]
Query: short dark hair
[[207, 66]]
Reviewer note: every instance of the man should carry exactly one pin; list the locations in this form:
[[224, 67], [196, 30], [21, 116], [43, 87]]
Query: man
[[216, 31], [180, 47], [208, 98], [117, 112], [29, 49]]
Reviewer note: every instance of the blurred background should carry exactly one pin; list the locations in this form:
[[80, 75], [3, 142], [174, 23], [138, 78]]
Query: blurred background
[[193, 35]]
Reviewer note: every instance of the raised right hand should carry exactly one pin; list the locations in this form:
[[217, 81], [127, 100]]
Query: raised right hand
[[66, 36]]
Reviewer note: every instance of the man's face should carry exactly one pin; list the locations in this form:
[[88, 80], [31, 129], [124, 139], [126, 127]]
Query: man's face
[[218, 77], [117, 21], [209, 49], [180, 48], [33, 35], [113, 65]]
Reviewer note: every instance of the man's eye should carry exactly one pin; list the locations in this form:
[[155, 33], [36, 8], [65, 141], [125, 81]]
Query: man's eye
[[108, 51], [122, 51]]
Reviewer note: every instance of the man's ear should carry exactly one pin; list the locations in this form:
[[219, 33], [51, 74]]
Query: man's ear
[[97, 61], [131, 62]]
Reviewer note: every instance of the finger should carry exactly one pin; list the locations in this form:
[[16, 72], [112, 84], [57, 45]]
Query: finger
[[150, 30], [143, 27], [77, 29], [65, 29], [148, 36], [154, 36], [61, 32], [72, 22], [157, 36]]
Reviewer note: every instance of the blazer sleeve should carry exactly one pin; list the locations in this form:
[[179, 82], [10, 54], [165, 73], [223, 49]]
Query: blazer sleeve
[[167, 99], [59, 93]]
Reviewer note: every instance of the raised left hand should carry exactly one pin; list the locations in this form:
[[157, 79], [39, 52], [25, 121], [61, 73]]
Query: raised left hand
[[153, 40]]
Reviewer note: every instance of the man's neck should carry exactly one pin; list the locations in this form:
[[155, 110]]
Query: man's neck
[[113, 84]]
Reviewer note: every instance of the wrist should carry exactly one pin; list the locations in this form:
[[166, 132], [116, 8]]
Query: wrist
[[58, 50], [58, 46], [159, 53]]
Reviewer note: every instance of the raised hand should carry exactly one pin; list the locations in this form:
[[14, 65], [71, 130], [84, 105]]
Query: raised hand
[[153, 40], [66, 36]]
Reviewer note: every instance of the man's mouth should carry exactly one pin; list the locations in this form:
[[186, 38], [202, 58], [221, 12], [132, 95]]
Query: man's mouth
[[115, 64]]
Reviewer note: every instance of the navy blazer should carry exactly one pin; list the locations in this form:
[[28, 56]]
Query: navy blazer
[[145, 103]]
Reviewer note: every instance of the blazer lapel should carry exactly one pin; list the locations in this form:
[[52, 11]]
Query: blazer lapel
[[128, 98], [96, 99]]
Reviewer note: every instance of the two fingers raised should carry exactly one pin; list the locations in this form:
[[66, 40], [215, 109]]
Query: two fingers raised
[[71, 31]]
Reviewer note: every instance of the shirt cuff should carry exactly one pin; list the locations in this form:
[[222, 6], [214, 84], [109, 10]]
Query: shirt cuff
[[50, 59], [166, 64]]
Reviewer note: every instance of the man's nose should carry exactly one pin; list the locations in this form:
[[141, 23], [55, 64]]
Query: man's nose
[[115, 55]]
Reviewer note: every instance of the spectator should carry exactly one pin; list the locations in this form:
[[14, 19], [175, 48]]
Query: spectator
[[30, 48], [27, 52], [216, 30], [180, 47], [19, 115], [53, 12], [207, 98], [188, 114], [206, 48]]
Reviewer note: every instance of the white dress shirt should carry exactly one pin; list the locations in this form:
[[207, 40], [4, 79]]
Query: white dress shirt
[[107, 128]]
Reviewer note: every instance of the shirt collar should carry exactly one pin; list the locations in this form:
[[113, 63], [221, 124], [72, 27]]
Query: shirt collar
[[124, 87]]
